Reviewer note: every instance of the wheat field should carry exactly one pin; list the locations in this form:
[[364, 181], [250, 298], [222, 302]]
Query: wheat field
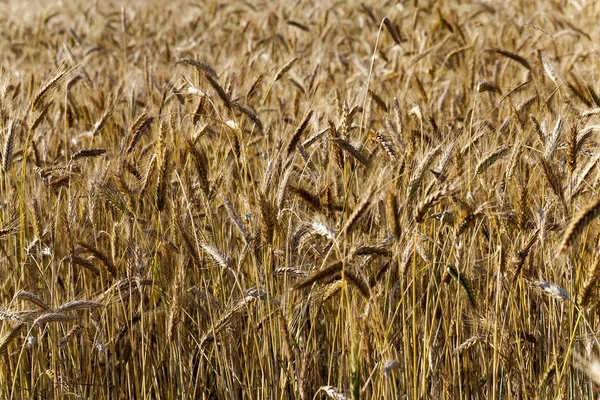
[[299, 199]]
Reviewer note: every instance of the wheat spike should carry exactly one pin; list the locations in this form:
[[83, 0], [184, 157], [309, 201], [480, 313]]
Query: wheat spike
[[10, 336], [85, 153], [298, 133], [578, 224], [9, 145], [391, 30], [47, 90], [324, 273], [285, 69]]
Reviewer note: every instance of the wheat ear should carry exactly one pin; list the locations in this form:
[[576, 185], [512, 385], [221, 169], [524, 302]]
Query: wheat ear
[[579, 223]]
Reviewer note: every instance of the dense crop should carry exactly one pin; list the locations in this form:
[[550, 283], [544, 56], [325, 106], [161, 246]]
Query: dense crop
[[279, 199]]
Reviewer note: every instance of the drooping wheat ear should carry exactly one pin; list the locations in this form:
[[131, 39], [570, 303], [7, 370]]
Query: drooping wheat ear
[[199, 110], [7, 230], [40, 116], [324, 273], [288, 347], [296, 136], [464, 283], [554, 139], [268, 219], [285, 69], [145, 183], [9, 145], [101, 123], [490, 159], [584, 135], [485, 86], [36, 218], [85, 263], [553, 179], [338, 155], [98, 255], [512, 56], [346, 119], [378, 100], [538, 129], [523, 206], [465, 149], [200, 65], [125, 192], [312, 77], [47, 90], [377, 276], [9, 336], [407, 254], [470, 342], [189, 243], [202, 166], [431, 200], [59, 181], [218, 256], [77, 305], [282, 190], [347, 147], [74, 331], [227, 317], [524, 108], [250, 114], [379, 249], [288, 271], [220, 91], [572, 149], [419, 173], [163, 177], [53, 317], [176, 304], [590, 283], [467, 222], [332, 392], [519, 258], [32, 298], [309, 198], [304, 375], [579, 223], [255, 87], [514, 160], [272, 170], [539, 66], [583, 176], [440, 172], [358, 212], [393, 214], [134, 320], [73, 81], [237, 220], [358, 283], [391, 30], [138, 129], [85, 153], [549, 374], [387, 146], [329, 290], [20, 316]]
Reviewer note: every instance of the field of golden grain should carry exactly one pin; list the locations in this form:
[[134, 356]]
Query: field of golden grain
[[299, 199]]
